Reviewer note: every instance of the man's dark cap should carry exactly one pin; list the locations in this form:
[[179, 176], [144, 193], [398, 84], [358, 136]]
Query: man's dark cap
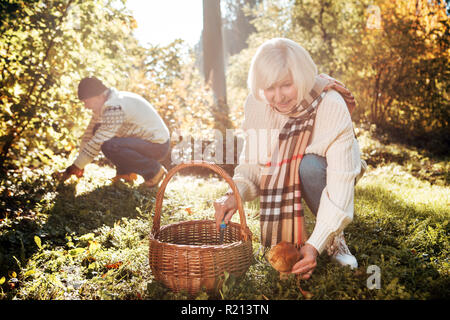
[[90, 87]]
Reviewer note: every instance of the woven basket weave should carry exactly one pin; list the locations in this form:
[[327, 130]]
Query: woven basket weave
[[187, 255]]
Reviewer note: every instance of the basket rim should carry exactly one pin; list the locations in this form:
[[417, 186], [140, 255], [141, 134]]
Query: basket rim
[[154, 237], [214, 167]]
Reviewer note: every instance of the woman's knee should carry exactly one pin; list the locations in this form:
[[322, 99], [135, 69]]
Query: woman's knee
[[313, 169], [313, 180]]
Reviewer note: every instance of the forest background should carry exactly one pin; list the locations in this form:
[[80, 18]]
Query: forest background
[[393, 55]]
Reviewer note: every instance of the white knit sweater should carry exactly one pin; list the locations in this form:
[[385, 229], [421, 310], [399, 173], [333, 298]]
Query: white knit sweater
[[332, 138]]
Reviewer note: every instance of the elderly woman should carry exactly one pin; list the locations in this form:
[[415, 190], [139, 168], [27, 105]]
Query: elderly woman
[[303, 120]]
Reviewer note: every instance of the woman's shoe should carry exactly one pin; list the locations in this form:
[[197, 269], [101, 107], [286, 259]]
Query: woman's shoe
[[339, 252], [153, 182]]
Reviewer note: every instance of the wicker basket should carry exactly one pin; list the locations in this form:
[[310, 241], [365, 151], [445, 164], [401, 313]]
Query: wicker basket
[[187, 255]]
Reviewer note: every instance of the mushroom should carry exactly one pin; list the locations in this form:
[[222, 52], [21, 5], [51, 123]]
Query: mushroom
[[283, 256]]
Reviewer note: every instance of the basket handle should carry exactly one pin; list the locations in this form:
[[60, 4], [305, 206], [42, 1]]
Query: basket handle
[[213, 167]]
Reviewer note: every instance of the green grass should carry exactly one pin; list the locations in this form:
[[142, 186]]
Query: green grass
[[89, 240]]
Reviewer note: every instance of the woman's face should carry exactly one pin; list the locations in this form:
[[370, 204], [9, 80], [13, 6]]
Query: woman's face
[[282, 94]]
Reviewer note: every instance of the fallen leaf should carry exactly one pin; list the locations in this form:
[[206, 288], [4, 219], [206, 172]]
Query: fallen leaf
[[37, 240], [114, 265]]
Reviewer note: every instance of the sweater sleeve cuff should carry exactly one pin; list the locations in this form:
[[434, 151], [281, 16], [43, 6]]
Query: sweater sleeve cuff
[[330, 221], [82, 160], [246, 189]]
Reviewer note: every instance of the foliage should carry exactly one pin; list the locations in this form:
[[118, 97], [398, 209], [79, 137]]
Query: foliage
[[408, 87], [383, 151], [170, 81], [397, 88], [236, 24], [46, 48], [89, 240]]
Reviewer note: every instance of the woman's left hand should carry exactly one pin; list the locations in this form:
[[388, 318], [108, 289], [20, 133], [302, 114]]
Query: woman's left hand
[[305, 266]]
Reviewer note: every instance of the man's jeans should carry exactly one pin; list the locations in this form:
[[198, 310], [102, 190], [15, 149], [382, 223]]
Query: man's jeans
[[313, 178], [134, 155]]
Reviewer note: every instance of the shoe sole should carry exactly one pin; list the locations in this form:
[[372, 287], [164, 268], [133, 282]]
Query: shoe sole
[[161, 178], [127, 178]]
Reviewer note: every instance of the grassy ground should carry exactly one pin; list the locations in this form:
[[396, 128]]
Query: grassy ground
[[89, 240]]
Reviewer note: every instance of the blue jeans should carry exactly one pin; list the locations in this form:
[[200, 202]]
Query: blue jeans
[[313, 179], [134, 155]]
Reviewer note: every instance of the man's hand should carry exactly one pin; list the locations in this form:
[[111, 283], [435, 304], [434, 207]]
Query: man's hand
[[225, 205], [305, 266], [72, 170]]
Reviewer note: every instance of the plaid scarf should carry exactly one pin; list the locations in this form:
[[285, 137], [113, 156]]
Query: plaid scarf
[[281, 214]]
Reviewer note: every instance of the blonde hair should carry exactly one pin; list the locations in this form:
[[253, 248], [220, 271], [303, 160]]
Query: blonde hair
[[276, 59]]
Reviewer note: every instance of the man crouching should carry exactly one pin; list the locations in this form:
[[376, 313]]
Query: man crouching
[[127, 129]]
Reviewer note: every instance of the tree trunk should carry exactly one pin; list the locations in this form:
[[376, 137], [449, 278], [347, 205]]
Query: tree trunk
[[213, 59]]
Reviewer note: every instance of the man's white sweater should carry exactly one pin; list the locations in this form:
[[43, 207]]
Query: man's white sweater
[[332, 138], [124, 114]]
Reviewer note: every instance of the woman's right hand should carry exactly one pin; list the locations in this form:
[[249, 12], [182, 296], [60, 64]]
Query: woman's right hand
[[225, 207]]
